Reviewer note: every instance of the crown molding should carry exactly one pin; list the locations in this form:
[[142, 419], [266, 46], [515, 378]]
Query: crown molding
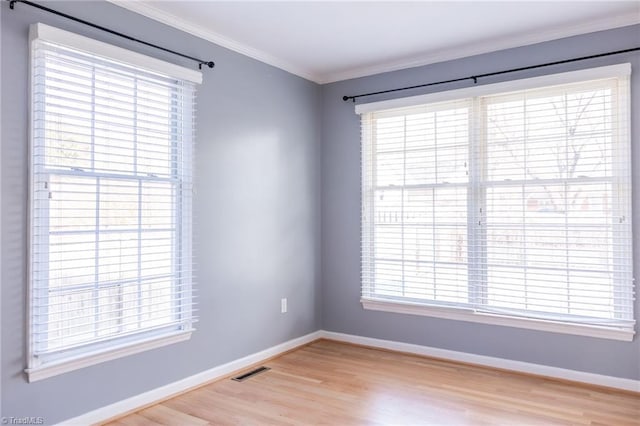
[[488, 46], [149, 11], [502, 43]]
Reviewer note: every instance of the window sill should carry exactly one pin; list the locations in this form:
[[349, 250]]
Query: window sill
[[497, 319], [91, 358]]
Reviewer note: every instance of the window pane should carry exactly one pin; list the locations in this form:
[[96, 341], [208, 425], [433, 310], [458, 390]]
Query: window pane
[[450, 244], [115, 122], [158, 113], [67, 115], [388, 276], [158, 306], [118, 204], [70, 319], [72, 205], [71, 260], [158, 205], [118, 257], [118, 309]]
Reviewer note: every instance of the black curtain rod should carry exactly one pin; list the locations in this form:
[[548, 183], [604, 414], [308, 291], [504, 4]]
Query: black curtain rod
[[476, 77], [200, 62]]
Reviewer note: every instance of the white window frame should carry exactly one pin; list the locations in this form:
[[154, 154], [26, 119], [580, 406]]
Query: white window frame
[[123, 346], [371, 302]]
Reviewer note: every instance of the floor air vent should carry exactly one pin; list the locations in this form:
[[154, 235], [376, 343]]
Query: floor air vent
[[250, 374]]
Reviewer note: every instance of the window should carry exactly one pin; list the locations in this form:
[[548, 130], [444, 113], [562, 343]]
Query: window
[[507, 204], [111, 188]]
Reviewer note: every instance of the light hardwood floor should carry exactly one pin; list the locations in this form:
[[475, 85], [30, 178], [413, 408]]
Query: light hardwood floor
[[334, 383]]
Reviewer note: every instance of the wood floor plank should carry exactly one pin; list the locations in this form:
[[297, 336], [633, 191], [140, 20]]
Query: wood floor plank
[[134, 419], [168, 416], [335, 383]]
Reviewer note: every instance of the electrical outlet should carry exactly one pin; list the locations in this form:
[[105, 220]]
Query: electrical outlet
[[283, 305]]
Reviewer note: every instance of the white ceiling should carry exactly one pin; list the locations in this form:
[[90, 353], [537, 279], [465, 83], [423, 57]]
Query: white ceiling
[[327, 41]]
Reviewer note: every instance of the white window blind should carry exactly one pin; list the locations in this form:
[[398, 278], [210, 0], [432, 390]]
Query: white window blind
[[510, 205], [111, 188]]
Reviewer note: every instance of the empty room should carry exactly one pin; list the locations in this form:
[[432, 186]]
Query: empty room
[[319, 212]]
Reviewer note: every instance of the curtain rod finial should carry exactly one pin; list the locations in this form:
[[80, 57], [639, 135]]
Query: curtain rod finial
[[345, 98]]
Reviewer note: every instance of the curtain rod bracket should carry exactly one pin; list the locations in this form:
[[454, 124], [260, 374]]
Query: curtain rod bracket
[[210, 64], [12, 4]]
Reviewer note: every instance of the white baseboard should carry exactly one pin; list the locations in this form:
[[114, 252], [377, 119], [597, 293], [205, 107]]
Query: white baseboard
[[161, 393], [489, 361], [164, 392]]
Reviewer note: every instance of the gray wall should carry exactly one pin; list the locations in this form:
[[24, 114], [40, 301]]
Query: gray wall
[[277, 159], [342, 311], [256, 210]]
